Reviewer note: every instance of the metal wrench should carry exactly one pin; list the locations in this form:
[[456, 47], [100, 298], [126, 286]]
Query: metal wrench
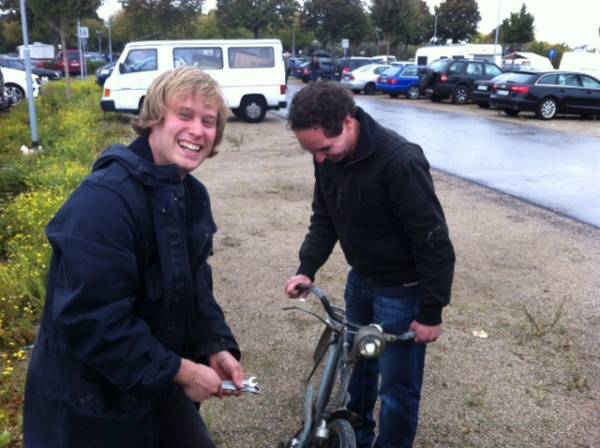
[[250, 386]]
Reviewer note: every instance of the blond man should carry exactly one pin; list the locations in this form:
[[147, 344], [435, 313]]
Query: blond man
[[132, 338]]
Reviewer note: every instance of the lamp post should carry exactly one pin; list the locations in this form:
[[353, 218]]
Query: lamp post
[[35, 138], [99, 34], [497, 29], [109, 40]]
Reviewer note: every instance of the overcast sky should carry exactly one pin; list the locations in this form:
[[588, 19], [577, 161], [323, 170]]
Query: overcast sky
[[575, 22]]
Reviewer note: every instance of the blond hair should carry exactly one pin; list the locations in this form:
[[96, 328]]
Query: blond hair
[[176, 85]]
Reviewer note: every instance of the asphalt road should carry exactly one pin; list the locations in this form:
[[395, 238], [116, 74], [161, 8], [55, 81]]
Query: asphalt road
[[555, 170]]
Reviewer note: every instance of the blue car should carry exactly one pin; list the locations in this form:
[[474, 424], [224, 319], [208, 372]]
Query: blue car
[[401, 80]]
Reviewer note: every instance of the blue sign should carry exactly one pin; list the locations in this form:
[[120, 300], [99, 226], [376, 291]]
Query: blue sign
[[552, 53]]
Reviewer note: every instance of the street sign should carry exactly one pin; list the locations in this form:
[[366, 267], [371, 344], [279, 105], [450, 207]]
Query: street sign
[[83, 32], [552, 54], [345, 43]]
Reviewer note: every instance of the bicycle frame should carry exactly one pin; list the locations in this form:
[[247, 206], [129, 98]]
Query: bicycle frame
[[339, 363]]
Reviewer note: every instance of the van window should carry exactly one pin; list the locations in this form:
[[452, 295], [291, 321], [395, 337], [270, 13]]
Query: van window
[[206, 58], [141, 61], [251, 57]]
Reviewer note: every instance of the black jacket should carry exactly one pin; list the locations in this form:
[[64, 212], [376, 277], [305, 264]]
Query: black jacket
[[129, 295], [381, 205]]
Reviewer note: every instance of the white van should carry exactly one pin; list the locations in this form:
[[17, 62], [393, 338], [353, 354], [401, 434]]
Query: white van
[[582, 62], [250, 72], [482, 52]]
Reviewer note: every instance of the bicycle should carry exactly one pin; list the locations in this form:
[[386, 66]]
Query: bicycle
[[327, 422]]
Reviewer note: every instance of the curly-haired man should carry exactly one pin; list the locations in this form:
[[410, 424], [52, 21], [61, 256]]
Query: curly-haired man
[[374, 194]]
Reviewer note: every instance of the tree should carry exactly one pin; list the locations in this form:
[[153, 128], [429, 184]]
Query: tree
[[401, 21], [518, 29], [543, 49], [457, 19], [161, 19], [332, 20], [255, 15], [61, 16]]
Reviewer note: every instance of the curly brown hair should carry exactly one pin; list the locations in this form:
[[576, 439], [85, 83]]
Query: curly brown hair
[[321, 105]]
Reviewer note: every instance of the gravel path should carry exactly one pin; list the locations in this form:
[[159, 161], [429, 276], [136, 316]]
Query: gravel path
[[526, 276]]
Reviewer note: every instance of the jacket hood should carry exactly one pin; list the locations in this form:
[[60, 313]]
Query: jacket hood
[[141, 168]]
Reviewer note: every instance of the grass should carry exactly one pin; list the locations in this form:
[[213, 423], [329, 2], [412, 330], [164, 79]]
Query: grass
[[32, 189]]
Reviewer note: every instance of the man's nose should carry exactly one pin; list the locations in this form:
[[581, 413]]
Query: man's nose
[[197, 127]]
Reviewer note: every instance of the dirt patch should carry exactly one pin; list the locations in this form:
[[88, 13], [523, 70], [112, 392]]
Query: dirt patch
[[526, 276]]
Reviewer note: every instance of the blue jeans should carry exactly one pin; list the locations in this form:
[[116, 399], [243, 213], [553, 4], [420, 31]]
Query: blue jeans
[[401, 364]]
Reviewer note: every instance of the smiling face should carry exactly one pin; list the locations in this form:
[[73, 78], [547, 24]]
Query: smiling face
[[186, 135], [324, 148]]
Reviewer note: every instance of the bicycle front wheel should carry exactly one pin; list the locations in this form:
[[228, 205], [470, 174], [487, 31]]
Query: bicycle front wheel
[[341, 435]]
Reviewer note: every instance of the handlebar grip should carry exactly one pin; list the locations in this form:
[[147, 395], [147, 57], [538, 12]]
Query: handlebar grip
[[407, 336], [303, 287]]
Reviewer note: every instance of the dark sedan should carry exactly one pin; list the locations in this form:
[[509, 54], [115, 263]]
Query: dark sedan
[[43, 73], [304, 73], [547, 94], [483, 89], [103, 72]]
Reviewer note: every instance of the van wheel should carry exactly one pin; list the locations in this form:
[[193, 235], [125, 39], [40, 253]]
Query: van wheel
[[370, 89], [460, 95], [13, 93], [253, 109]]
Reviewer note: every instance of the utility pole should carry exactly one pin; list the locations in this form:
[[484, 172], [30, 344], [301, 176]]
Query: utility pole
[[35, 138], [497, 30]]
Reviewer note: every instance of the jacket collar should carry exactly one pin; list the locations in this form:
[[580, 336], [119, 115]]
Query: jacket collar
[[365, 145], [138, 160]]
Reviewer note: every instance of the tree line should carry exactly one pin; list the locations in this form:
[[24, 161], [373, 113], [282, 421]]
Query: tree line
[[311, 23]]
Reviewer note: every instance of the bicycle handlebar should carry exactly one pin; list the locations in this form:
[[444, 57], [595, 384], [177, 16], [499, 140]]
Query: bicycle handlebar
[[408, 335]]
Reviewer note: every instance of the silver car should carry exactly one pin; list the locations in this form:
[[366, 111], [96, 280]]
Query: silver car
[[364, 79]]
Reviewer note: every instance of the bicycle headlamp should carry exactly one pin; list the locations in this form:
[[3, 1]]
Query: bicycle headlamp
[[369, 341]]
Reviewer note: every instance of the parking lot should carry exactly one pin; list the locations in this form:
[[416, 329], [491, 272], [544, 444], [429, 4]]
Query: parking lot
[[562, 123]]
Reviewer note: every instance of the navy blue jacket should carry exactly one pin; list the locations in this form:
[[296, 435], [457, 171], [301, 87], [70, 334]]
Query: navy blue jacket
[[129, 295]]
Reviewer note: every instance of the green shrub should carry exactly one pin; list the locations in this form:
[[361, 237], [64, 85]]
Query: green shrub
[[32, 189]]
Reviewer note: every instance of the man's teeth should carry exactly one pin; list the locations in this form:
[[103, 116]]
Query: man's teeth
[[189, 146]]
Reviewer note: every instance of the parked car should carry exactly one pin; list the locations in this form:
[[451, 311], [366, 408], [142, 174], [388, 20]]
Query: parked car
[[346, 65], [364, 79], [15, 85], [304, 73], [73, 62], [43, 73], [455, 78], [104, 72], [547, 94], [384, 59], [483, 89], [292, 63], [407, 81], [4, 103]]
